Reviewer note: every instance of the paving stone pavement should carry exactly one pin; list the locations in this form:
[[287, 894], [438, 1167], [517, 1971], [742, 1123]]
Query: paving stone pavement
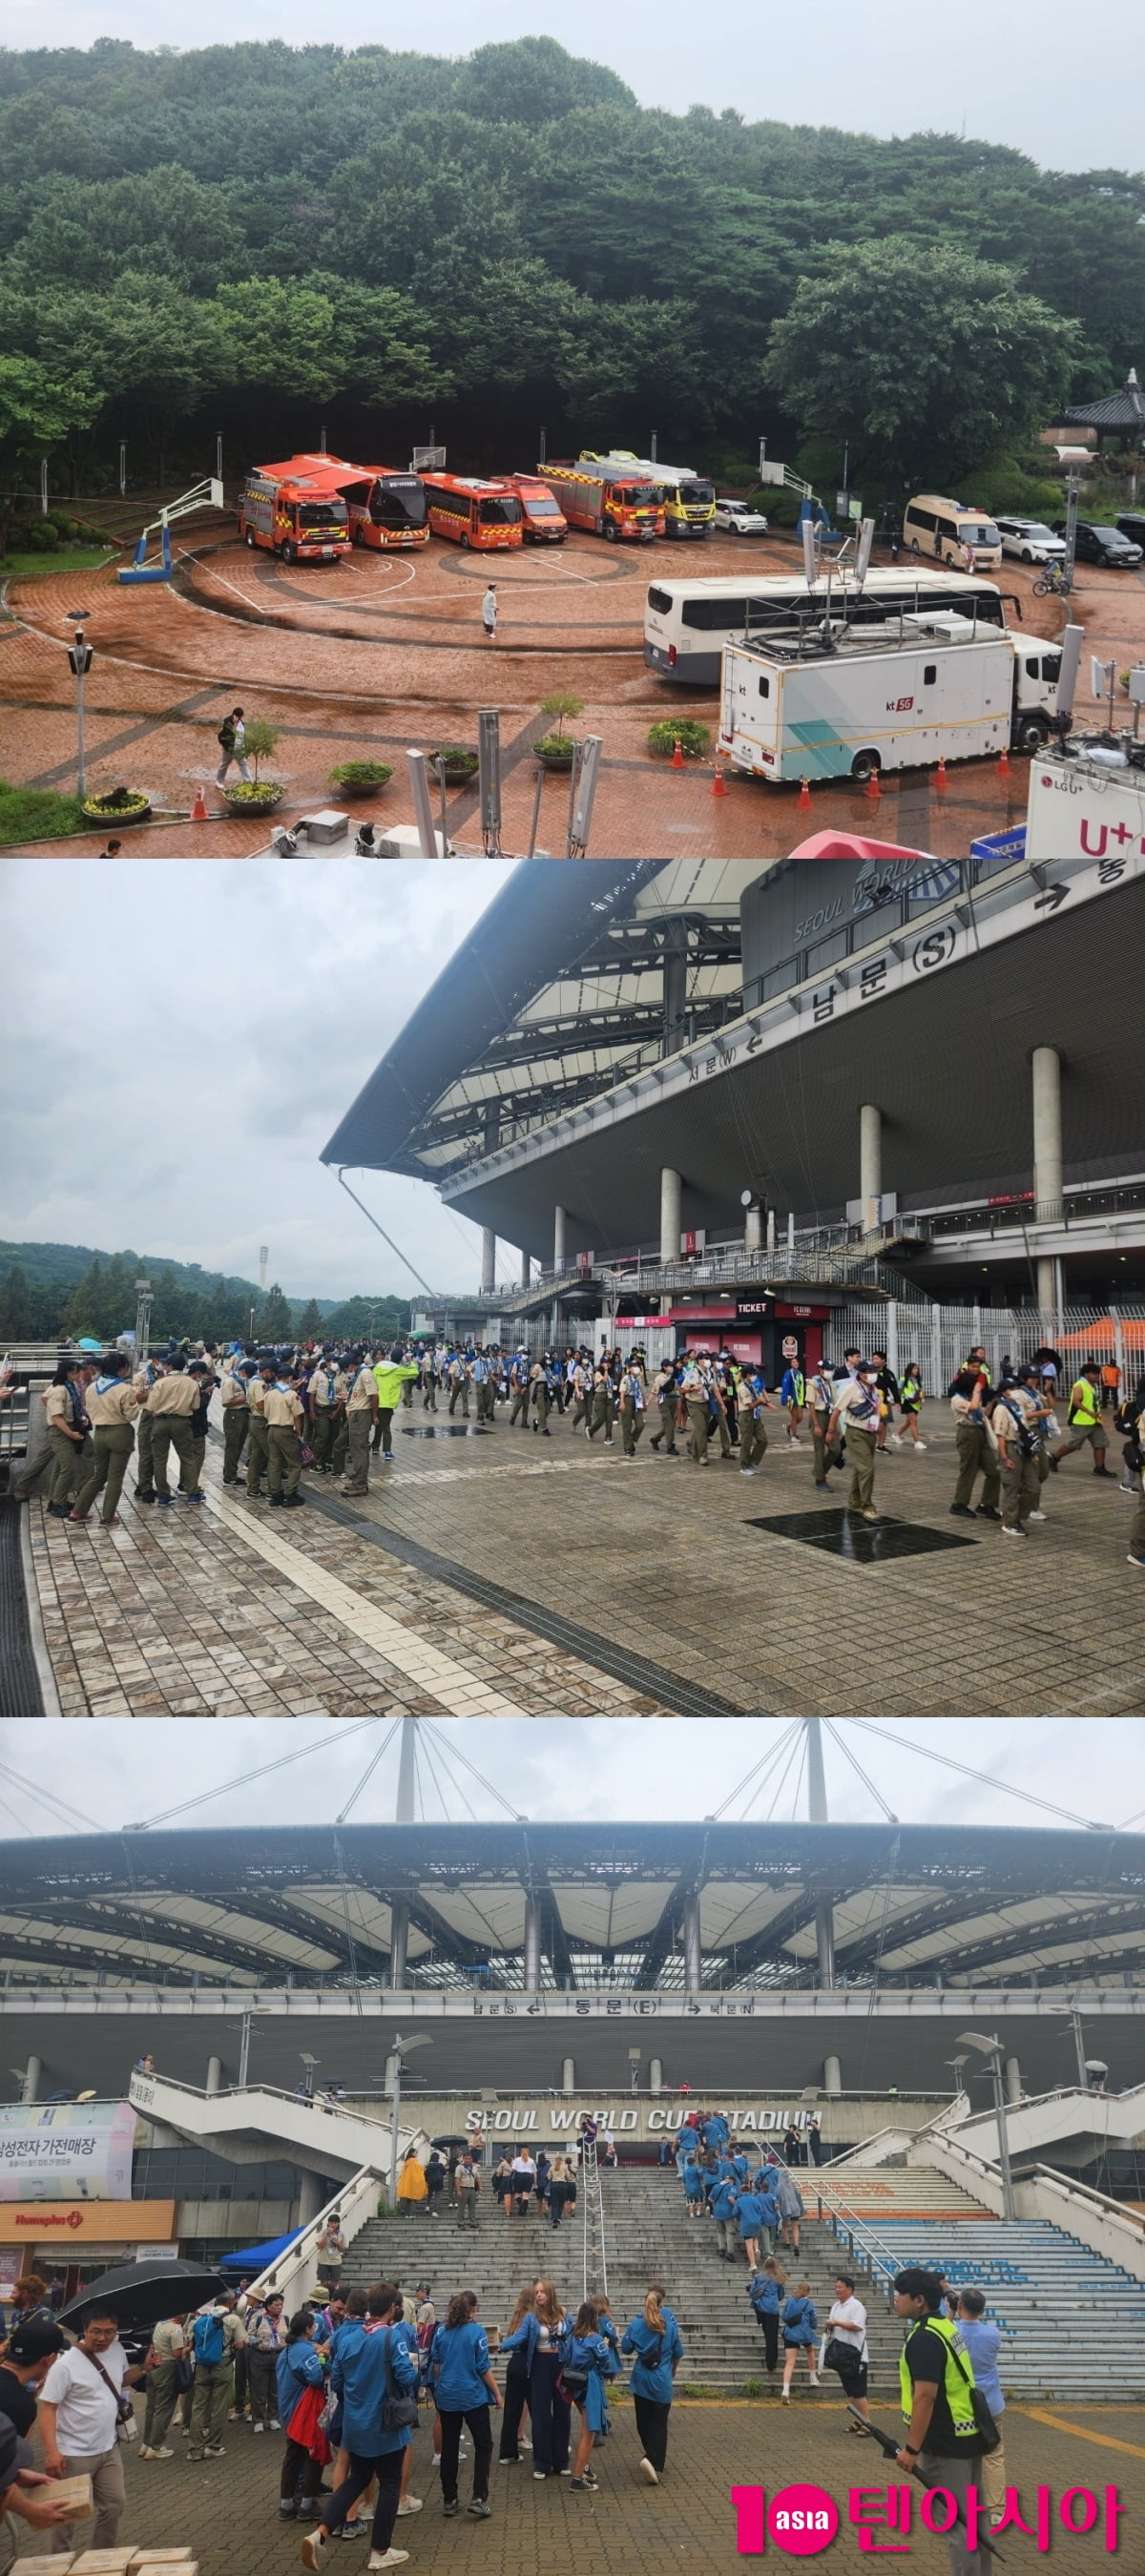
[[228, 2508], [235, 1610]]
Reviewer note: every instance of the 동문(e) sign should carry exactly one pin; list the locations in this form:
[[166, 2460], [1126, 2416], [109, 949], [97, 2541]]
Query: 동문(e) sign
[[66, 2150]]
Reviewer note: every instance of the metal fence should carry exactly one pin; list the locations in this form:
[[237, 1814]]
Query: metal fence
[[938, 1337]]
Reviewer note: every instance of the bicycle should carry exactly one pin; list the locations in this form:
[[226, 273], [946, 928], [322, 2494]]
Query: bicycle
[[1052, 582]]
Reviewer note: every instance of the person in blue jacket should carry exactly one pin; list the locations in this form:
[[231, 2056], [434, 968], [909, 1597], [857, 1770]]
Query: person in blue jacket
[[654, 2338], [723, 2205], [464, 2389], [800, 2335], [371, 2366], [765, 2185], [543, 2337], [765, 2290], [693, 2187], [590, 2353], [299, 2366], [749, 2220]]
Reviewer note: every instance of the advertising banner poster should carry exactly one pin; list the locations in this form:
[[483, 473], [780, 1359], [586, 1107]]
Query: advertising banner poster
[[66, 2150]]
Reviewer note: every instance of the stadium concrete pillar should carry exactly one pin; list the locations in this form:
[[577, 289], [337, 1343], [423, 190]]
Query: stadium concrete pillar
[[568, 2075], [30, 2081], [558, 1238], [1013, 2080], [655, 2074], [526, 1269], [532, 1944], [771, 1229], [693, 1971], [488, 1260], [870, 1156], [670, 1187], [832, 2077], [1046, 1065], [214, 2074], [675, 996], [399, 1941], [309, 2199], [753, 1227]]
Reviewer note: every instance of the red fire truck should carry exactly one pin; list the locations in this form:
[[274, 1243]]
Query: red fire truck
[[544, 523], [472, 511], [386, 508], [296, 509], [614, 500]]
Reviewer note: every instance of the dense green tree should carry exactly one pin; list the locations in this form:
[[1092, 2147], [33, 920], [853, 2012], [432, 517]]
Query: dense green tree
[[309, 1324], [273, 1319], [16, 1307], [926, 360]]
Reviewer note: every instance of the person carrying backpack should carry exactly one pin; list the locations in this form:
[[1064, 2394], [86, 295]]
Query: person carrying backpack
[[232, 744], [765, 2290], [217, 2336], [800, 2335], [654, 2339], [587, 2364]]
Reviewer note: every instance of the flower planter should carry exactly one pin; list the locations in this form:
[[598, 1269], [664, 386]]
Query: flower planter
[[254, 800], [349, 788], [101, 814], [557, 761], [457, 772]]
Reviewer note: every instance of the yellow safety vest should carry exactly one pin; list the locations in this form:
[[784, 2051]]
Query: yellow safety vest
[[958, 2380], [1084, 1404]]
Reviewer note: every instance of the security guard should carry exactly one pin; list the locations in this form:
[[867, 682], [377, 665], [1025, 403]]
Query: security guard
[[361, 1416], [665, 1397], [235, 1394], [754, 1402], [391, 1376], [112, 1405], [283, 1413], [171, 1403], [1084, 1418], [936, 2381]]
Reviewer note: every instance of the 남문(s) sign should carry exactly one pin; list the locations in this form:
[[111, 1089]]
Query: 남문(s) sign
[[66, 2150]]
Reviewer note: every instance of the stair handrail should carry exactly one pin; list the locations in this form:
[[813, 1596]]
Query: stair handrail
[[593, 2249], [863, 2243], [294, 2272]]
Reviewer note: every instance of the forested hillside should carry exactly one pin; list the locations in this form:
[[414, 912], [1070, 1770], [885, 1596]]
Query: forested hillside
[[256, 239], [65, 1288]]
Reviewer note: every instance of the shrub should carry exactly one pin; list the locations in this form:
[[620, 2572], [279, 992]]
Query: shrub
[[257, 794], [694, 739], [36, 814], [360, 773], [456, 756], [116, 801], [561, 704], [554, 746]]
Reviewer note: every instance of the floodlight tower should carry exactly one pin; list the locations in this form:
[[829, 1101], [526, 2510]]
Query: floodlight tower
[[403, 1815], [817, 1815]]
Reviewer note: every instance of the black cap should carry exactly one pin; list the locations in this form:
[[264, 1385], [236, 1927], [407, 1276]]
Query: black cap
[[34, 2341]]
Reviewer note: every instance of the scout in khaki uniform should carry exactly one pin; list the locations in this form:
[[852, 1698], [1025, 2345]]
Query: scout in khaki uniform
[[539, 1393], [112, 1404], [361, 1416], [754, 1401], [145, 1378], [327, 1406], [519, 1376], [665, 1397], [856, 1406], [694, 1389], [68, 1436], [171, 1403], [282, 1409], [236, 1420], [820, 1407], [1017, 1417], [603, 1404], [633, 1405], [257, 1435]]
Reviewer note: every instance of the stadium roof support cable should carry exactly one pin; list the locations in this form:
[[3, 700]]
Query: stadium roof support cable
[[985, 1779], [41, 1797], [403, 1257], [856, 1765], [758, 1768], [282, 1761]]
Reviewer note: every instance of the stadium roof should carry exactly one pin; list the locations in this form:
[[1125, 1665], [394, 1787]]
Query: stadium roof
[[562, 977], [311, 1905]]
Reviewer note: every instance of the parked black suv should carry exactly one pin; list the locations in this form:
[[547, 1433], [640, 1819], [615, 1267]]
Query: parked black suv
[[1132, 525], [1097, 544]]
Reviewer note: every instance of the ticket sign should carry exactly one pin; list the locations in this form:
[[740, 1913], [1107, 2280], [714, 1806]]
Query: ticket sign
[[66, 2150]]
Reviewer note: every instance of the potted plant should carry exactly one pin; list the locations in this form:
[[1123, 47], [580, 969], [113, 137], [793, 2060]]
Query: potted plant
[[460, 764], [554, 750], [693, 738], [359, 777], [256, 795], [120, 805]]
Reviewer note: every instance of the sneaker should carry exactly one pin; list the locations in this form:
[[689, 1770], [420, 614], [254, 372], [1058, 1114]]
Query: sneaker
[[143, 1498], [541, 2475], [412, 2504], [162, 2454], [451, 2508], [821, 1485], [1017, 1532], [312, 2548], [480, 2508], [352, 2531], [195, 1498], [386, 2558], [961, 1512], [214, 2451], [165, 1500], [258, 2428], [870, 1514], [275, 2426], [649, 2474], [285, 2509], [1134, 1560], [146, 2454], [749, 1471], [987, 1512], [815, 2379], [920, 1445], [1035, 1516], [896, 1440], [582, 2483], [1102, 1471]]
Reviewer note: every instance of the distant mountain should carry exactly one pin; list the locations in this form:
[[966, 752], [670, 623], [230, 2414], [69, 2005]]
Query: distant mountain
[[63, 1265]]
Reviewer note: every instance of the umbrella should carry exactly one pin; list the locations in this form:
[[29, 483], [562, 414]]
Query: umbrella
[[255, 2258], [142, 2294], [455, 2139]]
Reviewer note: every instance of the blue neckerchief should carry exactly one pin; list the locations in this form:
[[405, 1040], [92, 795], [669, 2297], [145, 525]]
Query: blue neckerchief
[[103, 1385]]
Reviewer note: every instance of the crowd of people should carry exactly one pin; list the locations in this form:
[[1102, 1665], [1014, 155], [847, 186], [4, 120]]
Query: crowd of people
[[331, 1411]]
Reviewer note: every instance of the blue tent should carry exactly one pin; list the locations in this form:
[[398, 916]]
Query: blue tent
[[255, 2258]]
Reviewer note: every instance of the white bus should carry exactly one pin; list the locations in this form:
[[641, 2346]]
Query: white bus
[[688, 623]]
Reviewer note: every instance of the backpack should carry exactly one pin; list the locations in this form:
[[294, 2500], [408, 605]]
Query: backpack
[[208, 2339], [226, 735], [1127, 1418]]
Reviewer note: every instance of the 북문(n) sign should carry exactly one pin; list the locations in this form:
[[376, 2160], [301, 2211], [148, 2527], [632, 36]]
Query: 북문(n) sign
[[66, 2150]]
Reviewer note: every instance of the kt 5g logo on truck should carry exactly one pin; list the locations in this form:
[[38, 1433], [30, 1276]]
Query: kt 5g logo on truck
[[899, 706]]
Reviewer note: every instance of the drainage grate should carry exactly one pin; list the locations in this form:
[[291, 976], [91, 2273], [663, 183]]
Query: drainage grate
[[443, 1431], [843, 1534], [20, 1692]]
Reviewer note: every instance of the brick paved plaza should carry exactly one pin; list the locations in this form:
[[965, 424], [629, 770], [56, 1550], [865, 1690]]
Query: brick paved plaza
[[370, 656], [489, 1574], [228, 2509]]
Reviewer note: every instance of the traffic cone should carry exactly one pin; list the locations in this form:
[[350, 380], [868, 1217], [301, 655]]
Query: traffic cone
[[199, 808], [719, 784], [677, 754], [1004, 761], [874, 790], [803, 800], [940, 777]]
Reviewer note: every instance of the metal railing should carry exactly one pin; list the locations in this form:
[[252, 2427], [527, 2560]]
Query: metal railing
[[864, 2245], [593, 2247]]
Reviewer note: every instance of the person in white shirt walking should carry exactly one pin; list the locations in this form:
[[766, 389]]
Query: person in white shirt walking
[[232, 744], [489, 613], [847, 2332], [82, 2405]]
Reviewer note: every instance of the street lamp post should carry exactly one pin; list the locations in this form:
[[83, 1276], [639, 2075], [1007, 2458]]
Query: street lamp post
[[990, 2047], [80, 656], [400, 2049]]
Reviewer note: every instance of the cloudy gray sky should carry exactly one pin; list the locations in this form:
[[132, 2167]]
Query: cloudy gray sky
[[217, 1022], [891, 68], [107, 1774]]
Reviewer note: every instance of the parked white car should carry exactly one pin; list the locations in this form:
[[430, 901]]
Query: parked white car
[[1030, 540], [740, 518]]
